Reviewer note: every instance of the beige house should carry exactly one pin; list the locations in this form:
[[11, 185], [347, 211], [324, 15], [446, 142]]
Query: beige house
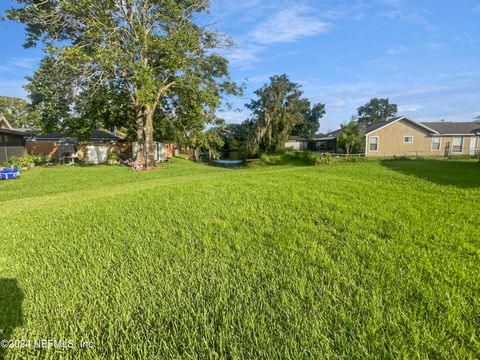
[[296, 143], [404, 137]]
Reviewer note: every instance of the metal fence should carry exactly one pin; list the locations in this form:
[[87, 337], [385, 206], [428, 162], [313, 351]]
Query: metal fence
[[339, 154], [466, 152]]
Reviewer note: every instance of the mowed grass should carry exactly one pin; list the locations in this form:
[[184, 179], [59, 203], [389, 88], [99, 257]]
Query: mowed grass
[[349, 261]]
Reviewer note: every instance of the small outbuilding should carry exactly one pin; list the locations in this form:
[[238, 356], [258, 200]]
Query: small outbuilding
[[12, 141], [161, 151], [94, 151]]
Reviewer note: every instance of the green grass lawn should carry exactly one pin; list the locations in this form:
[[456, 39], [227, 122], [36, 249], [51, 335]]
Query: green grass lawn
[[347, 261]]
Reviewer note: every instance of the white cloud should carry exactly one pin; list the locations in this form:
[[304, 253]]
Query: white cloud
[[12, 88], [284, 24], [409, 108], [450, 95], [17, 65], [259, 79], [400, 10], [338, 104], [233, 117], [241, 56], [398, 50], [437, 45], [23, 62], [288, 25]]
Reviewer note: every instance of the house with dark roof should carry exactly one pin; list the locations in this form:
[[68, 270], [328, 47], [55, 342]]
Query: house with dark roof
[[296, 143], [56, 145], [12, 143], [12, 140], [401, 136], [404, 137], [96, 136]]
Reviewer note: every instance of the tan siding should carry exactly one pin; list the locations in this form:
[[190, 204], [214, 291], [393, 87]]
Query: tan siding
[[391, 142]]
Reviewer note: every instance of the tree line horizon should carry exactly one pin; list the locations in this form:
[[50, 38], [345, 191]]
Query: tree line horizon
[[148, 68]]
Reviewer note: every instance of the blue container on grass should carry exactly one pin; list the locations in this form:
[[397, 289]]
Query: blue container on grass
[[8, 174]]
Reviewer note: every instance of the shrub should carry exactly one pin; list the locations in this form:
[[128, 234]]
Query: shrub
[[354, 159], [323, 160], [113, 157], [26, 161], [20, 161], [40, 160]]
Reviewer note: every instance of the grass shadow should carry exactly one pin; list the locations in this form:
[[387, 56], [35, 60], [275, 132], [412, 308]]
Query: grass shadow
[[459, 173], [11, 316]]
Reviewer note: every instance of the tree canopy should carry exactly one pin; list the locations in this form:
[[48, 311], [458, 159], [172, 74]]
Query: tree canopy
[[18, 113], [278, 109], [311, 123], [53, 97], [376, 110], [146, 51], [352, 136]]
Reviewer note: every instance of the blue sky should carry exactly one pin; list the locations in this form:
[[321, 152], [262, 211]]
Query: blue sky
[[423, 55]]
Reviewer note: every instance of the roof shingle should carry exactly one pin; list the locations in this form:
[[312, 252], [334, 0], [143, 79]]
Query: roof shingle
[[96, 135], [457, 128]]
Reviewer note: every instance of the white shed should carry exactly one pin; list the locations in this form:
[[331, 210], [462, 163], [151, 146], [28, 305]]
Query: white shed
[[160, 151], [96, 154]]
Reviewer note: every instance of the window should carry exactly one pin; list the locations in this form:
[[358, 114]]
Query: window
[[436, 143], [373, 143], [457, 144], [408, 139]]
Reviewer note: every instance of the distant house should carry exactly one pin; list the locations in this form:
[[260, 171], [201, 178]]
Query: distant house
[[401, 136], [296, 143], [12, 140], [326, 142], [93, 151], [12, 143]]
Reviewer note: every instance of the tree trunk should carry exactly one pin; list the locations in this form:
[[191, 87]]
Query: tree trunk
[[140, 156], [149, 137]]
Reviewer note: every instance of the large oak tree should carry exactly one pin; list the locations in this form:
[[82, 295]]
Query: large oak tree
[[145, 49], [376, 110], [278, 111]]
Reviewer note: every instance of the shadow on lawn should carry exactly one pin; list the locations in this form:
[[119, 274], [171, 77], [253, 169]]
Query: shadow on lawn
[[462, 174], [11, 316]]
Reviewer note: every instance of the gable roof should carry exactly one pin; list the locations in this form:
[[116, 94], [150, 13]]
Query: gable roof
[[13, 132], [104, 135], [96, 135], [369, 128], [55, 136], [296, 138], [4, 124], [435, 128], [381, 124], [332, 135], [454, 128]]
